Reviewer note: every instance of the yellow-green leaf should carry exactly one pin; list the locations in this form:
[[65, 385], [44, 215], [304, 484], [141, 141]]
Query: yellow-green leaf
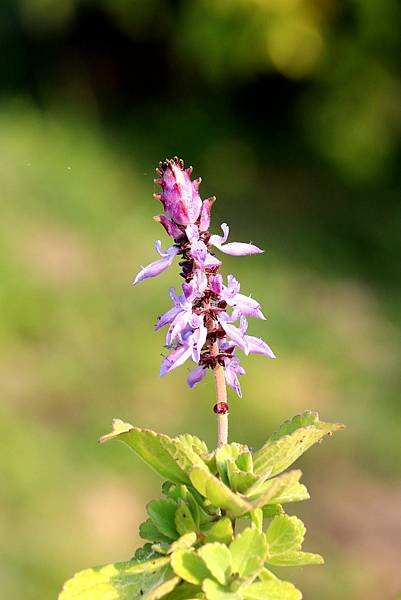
[[120, 581], [291, 440]]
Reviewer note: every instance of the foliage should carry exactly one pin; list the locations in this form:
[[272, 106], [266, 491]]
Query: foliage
[[193, 549]]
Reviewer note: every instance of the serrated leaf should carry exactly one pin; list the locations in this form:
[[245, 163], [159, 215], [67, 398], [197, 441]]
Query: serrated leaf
[[296, 559], [274, 487], [218, 493], [194, 442], [162, 513], [182, 453], [184, 522], [248, 551], [148, 445], [284, 534], [220, 531], [291, 440], [309, 417], [217, 558], [271, 590], [189, 566], [120, 581], [215, 591]]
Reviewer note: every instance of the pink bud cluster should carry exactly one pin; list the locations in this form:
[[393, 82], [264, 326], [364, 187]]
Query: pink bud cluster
[[201, 321]]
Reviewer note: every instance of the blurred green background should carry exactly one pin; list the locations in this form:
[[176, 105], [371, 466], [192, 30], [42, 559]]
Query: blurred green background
[[289, 109]]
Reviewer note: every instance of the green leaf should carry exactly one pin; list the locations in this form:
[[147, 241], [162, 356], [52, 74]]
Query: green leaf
[[144, 553], [224, 454], [239, 481], [267, 575], [163, 589], [217, 558], [275, 487], [193, 442], [245, 462], [184, 522], [180, 492], [214, 591], [189, 566], [185, 591], [296, 559], [271, 590], [119, 581], [182, 453], [162, 513], [295, 492], [148, 445], [291, 440], [149, 531], [248, 550], [218, 493], [183, 543], [284, 534], [256, 517], [220, 531], [272, 510]]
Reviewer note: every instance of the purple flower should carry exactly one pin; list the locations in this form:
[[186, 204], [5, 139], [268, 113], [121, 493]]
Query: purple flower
[[202, 321], [232, 370], [199, 251], [158, 266], [243, 305], [173, 312], [179, 196], [196, 287], [233, 248], [248, 343]]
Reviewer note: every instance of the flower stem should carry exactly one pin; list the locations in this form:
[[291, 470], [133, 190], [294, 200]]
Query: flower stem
[[221, 394], [221, 397]]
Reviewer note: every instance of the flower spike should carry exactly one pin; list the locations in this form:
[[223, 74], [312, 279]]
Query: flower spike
[[201, 322]]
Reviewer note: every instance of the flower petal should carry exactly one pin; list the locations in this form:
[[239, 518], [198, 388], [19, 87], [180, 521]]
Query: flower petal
[[196, 375], [158, 266], [239, 249], [204, 219], [167, 317], [172, 229], [258, 346], [246, 306], [232, 369], [233, 248], [236, 335], [217, 240], [175, 359], [192, 232]]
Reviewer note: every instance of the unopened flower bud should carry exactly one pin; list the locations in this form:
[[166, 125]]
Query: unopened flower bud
[[179, 196]]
